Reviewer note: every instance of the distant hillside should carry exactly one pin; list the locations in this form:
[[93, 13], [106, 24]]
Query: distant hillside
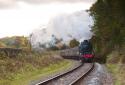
[[15, 42]]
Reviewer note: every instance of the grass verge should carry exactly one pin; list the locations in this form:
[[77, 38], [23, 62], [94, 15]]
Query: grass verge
[[118, 73], [24, 78], [23, 69], [116, 66], [27, 77]]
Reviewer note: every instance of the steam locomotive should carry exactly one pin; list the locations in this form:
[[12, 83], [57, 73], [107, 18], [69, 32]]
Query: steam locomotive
[[87, 57], [73, 53]]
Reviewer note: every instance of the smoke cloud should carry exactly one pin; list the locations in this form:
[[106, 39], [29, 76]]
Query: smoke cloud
[[13, 3], [49, 1], [65, 27]]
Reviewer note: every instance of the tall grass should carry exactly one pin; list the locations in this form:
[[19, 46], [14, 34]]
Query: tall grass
[[116, 65], [12, 69]]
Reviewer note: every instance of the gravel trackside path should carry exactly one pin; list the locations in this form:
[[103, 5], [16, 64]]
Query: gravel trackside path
[[99, 76]]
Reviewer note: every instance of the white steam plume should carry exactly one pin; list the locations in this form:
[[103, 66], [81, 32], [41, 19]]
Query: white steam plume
[[64, 27]]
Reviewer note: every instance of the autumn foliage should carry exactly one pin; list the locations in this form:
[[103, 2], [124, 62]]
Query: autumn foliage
[[15, 42], [73, 43]]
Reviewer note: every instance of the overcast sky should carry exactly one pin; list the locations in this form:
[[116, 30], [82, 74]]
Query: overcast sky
[[21, 17]]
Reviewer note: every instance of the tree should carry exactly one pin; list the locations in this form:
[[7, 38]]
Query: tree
[[109, 27], [2, 44], [73, 43]]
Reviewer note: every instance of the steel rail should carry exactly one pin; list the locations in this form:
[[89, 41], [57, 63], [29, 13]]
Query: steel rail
[[76, 82], [58, 76], [66, 73]]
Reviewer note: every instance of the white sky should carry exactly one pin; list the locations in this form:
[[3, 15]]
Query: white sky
[[23, 18]]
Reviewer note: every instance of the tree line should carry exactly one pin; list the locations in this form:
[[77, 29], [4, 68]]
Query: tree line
[[25, 43], [109, 25]]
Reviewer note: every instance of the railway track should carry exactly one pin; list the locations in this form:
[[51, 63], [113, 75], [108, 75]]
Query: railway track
[[72, 77]]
